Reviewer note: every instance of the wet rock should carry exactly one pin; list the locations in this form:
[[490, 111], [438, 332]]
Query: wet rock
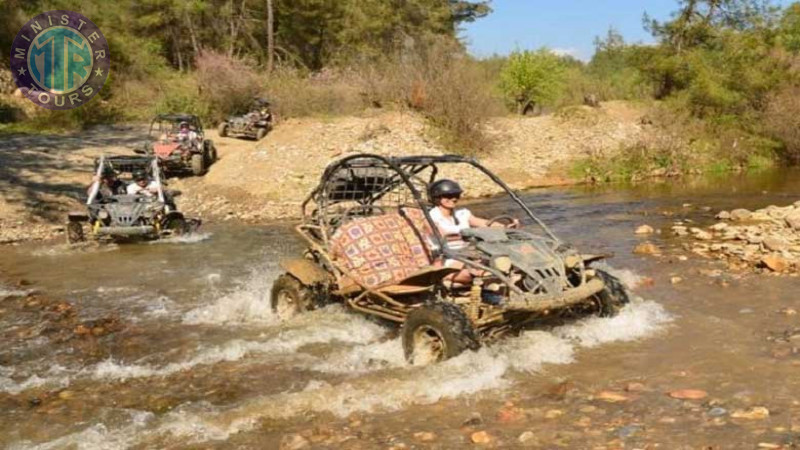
[[474, 420], [635, 387], [510, 414], [740, 214], [788, 311], [723, 215], [527, 438], [717, 412], [588, 409], [769, 445], [294, 442], [701, 234], [675, 280], [612, 397], [774, 263], [680, 230], [755, 413], [481, 438], [688, 394], [645, 229], [425, 436], [647, 248], [628, 431], [721, 226], [553, 414], [66, 395]]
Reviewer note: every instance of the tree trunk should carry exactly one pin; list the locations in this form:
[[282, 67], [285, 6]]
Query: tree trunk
[[270, 38]]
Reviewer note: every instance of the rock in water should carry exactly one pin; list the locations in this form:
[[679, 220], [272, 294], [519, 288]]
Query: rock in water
[[612, 397], [688, 394], [647, 248], [527, 437], [294, 442], [645, 229], [723, 215], [774, 263], [755, 413]]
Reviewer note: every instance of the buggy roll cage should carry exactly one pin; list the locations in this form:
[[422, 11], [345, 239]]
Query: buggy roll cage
[[404, 169], [191, 119], [127, 164]]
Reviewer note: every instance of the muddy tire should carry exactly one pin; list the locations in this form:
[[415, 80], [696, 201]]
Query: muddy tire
[[436, 332], [261, 133], [198, 164], [212, 153], [75, 232], [613, 296], [223, 129], [176, 225], [289, 297]]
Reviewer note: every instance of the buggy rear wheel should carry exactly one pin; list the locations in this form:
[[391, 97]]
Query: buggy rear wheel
[[613, 297], [289, 297], [223, 129], [436, 332], [198, 164], [261, 133], [75, 232]]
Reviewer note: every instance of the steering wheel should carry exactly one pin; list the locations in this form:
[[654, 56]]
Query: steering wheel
[[503, 219], [354, 210]]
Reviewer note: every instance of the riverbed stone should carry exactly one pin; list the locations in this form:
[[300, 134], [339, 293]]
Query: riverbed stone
[[481, 437], [688, 394], [775, 244], [754, 413], [723, 215], [793, 220], [645, 229], [527, 438], [294, 442], [647, 248], [740, 214], [774, 263]]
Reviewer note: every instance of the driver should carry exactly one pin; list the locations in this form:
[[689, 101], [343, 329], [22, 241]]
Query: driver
[[110, 185], [141, 185], [445, 194], [185, 133]]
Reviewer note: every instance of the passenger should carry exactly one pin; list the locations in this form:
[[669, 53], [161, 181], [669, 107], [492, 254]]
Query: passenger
[[450, 221], [141, 185], [110, 185]]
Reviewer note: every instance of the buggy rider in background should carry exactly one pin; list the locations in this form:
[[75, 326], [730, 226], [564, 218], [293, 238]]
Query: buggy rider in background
[[187, 135]]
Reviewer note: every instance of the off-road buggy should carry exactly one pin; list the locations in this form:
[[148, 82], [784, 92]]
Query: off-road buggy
[[118, 215], [373, 246], [253, 125], [177, 152]]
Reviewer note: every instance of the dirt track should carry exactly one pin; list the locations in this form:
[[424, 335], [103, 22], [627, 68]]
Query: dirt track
[[44, 176]]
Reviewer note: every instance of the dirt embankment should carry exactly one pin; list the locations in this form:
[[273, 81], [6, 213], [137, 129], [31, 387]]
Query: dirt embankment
[[44, 177]]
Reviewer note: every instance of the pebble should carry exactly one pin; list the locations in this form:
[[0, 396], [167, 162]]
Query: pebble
[[644, 229], [526, 437], [647, 248], [628, 431], [740, 214], [717, 412], [612, 397], [675, 280], [688, 394], [553, 414], [755, 413], [474, 419], [481, 437], [425, 436]]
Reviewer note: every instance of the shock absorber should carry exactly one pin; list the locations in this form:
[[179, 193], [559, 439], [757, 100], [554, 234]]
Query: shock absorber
[[475, 298]]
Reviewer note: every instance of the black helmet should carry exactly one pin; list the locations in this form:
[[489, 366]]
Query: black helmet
[[139, 175], [107, 172], [443, 188]]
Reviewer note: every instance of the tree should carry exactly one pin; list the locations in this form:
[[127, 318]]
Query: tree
[[532, 78]]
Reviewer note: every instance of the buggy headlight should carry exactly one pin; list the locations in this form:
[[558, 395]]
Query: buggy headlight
[[502, 263], [103, 214]]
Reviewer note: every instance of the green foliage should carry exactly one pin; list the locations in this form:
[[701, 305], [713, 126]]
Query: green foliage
[[532, 77]]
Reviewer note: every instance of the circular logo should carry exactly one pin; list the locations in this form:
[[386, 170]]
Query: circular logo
[[60, 59]]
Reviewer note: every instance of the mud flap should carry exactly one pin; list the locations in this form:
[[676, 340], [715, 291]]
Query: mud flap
[[306, 271]]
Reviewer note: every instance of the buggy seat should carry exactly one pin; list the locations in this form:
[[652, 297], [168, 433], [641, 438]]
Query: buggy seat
[[384, 250]]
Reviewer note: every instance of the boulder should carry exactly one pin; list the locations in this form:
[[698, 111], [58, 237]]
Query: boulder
[[723, 215], [740, 214], [793, 220], [774, 263], [775, 244], [645, 229]]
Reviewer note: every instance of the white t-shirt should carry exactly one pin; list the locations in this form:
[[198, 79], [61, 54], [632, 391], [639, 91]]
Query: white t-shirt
[[134, 188], [451, 226]]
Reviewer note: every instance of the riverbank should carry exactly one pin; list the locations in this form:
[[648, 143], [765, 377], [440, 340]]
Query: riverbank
[[45, 176]]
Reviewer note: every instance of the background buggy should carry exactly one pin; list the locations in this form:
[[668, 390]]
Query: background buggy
[[254, 125], [127, 216], [372, 245], [176, 155]]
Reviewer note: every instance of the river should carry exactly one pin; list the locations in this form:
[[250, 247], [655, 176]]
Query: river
[[182, 351]]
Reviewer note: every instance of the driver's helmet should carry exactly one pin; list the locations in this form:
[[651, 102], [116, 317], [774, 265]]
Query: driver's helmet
[[140, 175], [184, 126], [108, 172], [443, 188]]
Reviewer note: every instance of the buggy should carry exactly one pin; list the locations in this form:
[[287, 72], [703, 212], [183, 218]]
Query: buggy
[[178, 153], [253, 125], [118, 215], [372, 246]]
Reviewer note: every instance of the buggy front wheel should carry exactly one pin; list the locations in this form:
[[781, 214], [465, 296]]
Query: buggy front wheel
[[613, 297], [223, 130], [289, 297], [436, 332], [198, 164], [75, 232], [261, 133], [176, 226]]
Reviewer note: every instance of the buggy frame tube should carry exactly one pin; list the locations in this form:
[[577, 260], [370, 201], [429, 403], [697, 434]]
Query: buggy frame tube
[[96, 184]]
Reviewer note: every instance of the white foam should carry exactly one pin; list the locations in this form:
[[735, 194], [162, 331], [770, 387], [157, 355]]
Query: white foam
[[247, 304], [189, 238], [638, 319], [55, 375]]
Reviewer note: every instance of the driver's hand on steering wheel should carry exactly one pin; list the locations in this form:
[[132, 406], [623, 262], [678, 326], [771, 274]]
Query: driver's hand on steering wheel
[[514, 224]]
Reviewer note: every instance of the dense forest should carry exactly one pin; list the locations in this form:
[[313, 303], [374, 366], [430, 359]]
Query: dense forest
[[722, 74]]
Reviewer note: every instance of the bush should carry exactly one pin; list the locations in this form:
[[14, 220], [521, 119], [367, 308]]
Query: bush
[[780, 121], [532, 78], [227, 85]]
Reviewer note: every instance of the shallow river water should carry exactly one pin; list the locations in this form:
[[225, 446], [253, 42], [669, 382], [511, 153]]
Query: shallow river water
[[182, 351]]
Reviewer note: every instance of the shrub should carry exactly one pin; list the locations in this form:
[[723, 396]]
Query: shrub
[[780, 120], [226, 84], [532, 78]]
